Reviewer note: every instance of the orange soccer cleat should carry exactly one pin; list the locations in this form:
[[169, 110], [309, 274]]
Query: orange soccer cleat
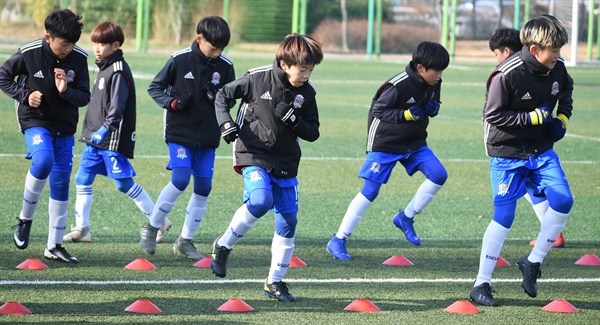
[[559, 243]]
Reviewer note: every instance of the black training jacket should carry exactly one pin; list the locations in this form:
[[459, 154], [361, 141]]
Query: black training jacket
[[264, 140], [516, 87], [33, 67]]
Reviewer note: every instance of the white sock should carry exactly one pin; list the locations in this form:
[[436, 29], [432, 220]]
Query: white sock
[[424, 195], [57, 210], [353, 215], [164, 204], [540, 209], [83, 205], [31, 195], [282, 250], [242, 221], [553, 223], [141, 199], [493, 239], [193, 215]]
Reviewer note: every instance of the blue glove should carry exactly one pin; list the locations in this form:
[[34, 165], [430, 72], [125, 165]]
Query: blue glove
[[432, 107], [414, 113], [558, 127], [540, 115], [99, 136]]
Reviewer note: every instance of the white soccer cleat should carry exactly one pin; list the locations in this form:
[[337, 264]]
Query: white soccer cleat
[[78, 234], [164, 228]]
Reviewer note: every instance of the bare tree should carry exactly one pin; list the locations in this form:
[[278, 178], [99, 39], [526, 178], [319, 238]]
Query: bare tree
[[176, 10], [344, 26]]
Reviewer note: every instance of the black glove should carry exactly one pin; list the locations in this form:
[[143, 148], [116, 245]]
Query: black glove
[[230, 131], [211, 91], [287, 114], [179, 104]]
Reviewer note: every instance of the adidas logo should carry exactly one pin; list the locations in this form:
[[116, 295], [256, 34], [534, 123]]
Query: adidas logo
[[266, 96], [411, 101], [526, 96], [189, 75], [39, 74]]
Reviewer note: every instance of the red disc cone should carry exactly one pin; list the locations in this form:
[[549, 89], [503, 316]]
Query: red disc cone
[[203, 263], [560, 306], [143, 307], [13, 308], [297, 262], [502, 262], [589, 260], [140, 264], [463, 307], [236, 306], [362, 305], [398, 260], [32, 264]]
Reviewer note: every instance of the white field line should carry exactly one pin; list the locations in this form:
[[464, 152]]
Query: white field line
[[352, 280]]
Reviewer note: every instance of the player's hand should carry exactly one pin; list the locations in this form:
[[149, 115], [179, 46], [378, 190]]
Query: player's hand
[[414, 113], [35, 99], [432, 107], [211, 91], [286, 113], [99, 136], [230, 131], [179, 104], [558, 127], [540, 115], [60, 80]]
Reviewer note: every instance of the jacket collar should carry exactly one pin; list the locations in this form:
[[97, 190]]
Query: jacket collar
[[106, 62], [532, 63], [203, 58], [280, 75], [411, 70]]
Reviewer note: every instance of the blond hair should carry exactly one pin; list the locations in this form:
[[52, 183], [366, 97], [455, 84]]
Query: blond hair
[[544, 31]]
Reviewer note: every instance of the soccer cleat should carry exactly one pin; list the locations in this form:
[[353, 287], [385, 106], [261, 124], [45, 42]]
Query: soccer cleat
[[531, 272], [185, 247], [60, 254], [148, 238], [163, 229], [218, 262], [22, 229], [559, 243], [337, 248], [406, 225], [279, 291], [482, 294], [78, 234]]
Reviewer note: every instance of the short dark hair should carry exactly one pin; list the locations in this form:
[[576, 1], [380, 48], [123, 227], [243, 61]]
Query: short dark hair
[[505, 37], [107, 33], [64, 24], [296, 49], [431, 55], [215, 30]]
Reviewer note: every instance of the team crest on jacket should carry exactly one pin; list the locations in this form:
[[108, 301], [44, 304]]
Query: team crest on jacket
[[375, 167], [181, 154], [216, 78], [101, 83], [298, 101], [554, 88], [502, 189], [70, 76], [36, 139], [254, 176]]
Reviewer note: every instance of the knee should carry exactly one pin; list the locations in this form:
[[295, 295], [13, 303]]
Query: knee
[[180, 177], [370, 190], [59, 186], [562, 203], [84, 178], [41, 164], [439, 176], [202, 186], [285, 226], [259, 202], [123, 185]]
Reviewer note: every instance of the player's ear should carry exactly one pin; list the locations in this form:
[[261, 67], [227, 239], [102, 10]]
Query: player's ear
[[507, 51], [199, 39], [47, 38], [534, 49], [283, 65]]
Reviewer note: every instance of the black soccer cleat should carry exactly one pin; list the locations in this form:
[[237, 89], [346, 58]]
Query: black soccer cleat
[[218, 262], [279, 291], [531, 272], [22, 229], [482, 295], [58, 253]]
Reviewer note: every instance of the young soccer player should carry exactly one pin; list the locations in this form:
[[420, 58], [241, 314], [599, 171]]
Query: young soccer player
[[397, 132], [108, 130], [520, 133], [186, 88], [278, 108], [504, 43], [52, 83]]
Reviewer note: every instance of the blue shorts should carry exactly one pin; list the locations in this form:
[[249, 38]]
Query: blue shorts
[[511, 178], [98, 161], [200, 160], [378, 166], [285, 190], [40, 139]]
